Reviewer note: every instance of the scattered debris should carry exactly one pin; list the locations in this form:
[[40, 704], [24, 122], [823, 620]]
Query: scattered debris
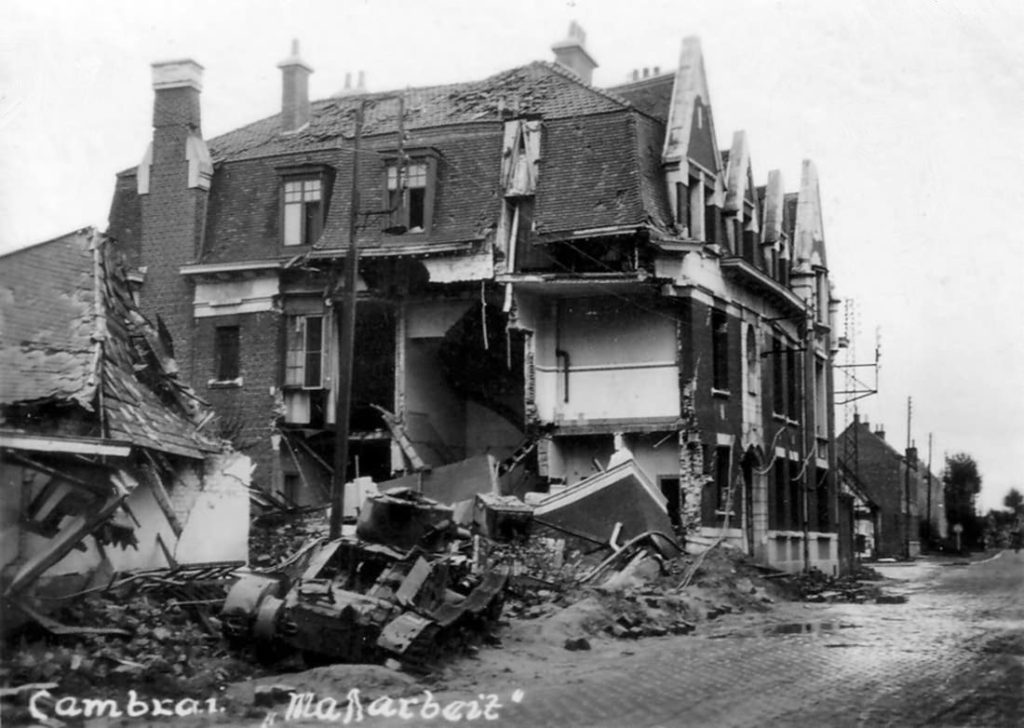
[[397, 588]]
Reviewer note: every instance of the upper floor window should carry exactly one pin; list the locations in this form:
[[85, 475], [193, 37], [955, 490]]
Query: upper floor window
[[304, 364], [411, 195], [303, 210], [226, 354], [753, 362], [720, 350]]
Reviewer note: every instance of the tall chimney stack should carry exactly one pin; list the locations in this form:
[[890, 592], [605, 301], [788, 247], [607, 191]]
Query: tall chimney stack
[[177, 85], [294, 91], [572, 54], [173, 182]]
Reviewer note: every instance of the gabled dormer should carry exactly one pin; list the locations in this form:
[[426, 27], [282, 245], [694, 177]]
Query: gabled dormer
[[690, 158], [810, 266], [740, 204], [774, 240]]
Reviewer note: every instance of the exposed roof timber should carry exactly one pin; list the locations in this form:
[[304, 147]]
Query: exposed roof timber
[[65, 445], [197, 269], [611, 426]]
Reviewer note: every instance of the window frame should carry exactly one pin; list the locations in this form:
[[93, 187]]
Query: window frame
[[301, 354], [399, 214], [719, 351], [311, 227], [227, 359]]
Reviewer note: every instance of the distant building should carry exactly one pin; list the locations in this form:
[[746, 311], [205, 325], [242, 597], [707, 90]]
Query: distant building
[[899, 502], [543, 265]]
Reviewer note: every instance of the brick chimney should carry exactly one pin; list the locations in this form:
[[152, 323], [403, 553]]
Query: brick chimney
[[173, 183], [294, 91], [572, 54]]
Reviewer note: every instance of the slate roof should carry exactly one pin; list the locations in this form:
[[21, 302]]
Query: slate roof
[[540, 88], [59, 301], [600, 167], [47, 320], [652, 95]]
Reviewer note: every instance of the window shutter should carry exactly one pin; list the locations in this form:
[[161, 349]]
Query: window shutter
[[531, 130], [508, 153]]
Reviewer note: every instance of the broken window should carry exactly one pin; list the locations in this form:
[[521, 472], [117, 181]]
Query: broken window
[[683, 208], [824, 518], [303, 210], [753, 362], [723, 469], [519, 213], [712, 218], [820, 400], [519, 157], [821, 279], [778, 514], [696, 208], [796, 501], [778, 363], [410, 195], [792, 384], [305, 357], [226, 353], [720, 350]]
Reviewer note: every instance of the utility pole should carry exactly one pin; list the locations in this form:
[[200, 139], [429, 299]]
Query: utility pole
[[809, 447], [906, 486], [345, 330], [928, 475]]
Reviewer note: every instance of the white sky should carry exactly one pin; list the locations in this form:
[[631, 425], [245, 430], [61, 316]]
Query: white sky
[[913, 112]]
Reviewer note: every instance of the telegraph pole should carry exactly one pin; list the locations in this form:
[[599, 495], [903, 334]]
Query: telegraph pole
[[345, 329], [809, 443], [928, 475], [906, 485]]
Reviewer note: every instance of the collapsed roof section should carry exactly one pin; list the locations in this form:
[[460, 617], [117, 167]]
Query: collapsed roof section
[[71, 336]]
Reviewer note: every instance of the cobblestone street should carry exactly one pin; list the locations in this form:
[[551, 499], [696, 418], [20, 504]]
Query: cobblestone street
[[952, 655]]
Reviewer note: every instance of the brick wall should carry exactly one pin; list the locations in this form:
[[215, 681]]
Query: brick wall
[[247, 411]]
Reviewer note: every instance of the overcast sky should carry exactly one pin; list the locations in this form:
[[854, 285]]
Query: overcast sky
[[913, 112]]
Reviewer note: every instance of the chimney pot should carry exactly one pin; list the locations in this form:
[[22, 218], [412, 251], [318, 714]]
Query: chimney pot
[[647, 71], [362, 81], [572, 53]]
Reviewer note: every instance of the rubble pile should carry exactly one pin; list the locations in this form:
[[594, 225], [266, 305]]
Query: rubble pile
[[639, 596], [111, 643], [277, 535], [858, 587]]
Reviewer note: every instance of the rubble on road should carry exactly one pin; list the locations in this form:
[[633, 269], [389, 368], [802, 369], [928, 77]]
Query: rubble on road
[[815, 586]]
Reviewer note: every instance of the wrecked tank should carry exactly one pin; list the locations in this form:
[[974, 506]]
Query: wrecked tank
[[402, 585]]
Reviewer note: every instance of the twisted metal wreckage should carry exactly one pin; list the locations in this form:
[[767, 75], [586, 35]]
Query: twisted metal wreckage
[[100, 438]]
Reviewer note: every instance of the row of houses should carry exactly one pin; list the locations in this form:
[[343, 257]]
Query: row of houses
[[898, 503], [547, 268]]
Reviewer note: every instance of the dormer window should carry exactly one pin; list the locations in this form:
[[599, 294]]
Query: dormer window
[[411, 195], [520, 156], [303, 210]]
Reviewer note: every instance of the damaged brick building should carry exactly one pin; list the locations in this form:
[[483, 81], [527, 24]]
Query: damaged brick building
[[106, 464], [544, 265]]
